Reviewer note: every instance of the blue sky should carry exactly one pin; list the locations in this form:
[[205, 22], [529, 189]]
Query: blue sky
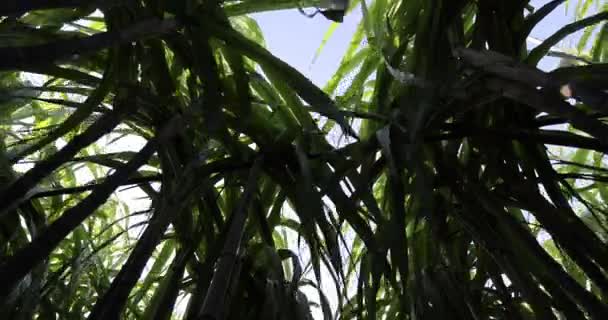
[[294, 38]]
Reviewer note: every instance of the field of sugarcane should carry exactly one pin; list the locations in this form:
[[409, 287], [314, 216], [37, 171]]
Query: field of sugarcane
[[159, 162]]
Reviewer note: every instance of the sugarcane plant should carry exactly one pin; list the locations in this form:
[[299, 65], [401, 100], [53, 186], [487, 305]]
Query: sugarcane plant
[[159, 162]]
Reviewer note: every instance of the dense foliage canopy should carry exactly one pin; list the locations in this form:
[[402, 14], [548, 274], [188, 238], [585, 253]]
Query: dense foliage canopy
[[158, 162]]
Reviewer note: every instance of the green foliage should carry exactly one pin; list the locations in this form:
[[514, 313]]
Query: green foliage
[[158, 162]]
